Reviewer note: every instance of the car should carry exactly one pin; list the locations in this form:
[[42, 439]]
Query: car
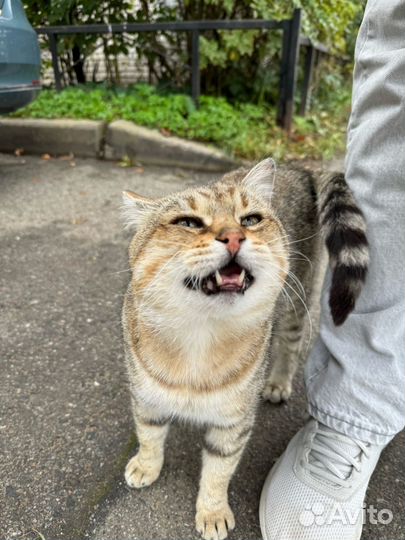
[[20, 58]]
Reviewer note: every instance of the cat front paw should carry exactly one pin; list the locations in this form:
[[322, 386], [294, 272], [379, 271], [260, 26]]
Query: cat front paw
[[139, 474], [215, 524], [276, 392]]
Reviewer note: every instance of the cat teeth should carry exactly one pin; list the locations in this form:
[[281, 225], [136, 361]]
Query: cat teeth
[[241, 277], [218, 277], [210, 285]]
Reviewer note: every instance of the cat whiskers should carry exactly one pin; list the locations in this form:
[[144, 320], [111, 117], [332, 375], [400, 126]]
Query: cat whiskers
[[308, 314], [120, 271], [302, 258], [289, 243], [293, 277], [194, 281], [279, 253], [264, 249], [152, 284], [296, 252]]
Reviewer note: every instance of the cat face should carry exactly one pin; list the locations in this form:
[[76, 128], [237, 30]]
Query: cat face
[[212, 251]]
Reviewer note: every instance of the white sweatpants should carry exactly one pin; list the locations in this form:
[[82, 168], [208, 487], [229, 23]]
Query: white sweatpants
[[355, 376]]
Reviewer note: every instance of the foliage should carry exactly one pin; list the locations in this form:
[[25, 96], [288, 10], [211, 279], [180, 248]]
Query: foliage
[[244, 130], [244, 65], [74, 49], [240, 65]]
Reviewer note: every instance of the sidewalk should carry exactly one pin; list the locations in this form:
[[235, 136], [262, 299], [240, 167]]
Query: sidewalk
[[65, 426]]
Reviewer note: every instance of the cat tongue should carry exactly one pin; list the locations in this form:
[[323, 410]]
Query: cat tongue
[[231, 277]]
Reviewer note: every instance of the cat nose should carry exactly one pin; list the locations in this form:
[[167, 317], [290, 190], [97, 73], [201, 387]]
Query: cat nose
[[233, 239]]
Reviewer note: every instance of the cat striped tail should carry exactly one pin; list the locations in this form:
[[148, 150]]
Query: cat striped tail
[[344, 230]]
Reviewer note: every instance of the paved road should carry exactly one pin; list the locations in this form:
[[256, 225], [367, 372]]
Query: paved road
[[65, 427]]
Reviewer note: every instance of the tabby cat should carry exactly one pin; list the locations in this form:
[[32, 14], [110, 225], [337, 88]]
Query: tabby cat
[[216, 270]]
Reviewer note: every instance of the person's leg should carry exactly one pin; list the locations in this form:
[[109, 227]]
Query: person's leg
[[355, 375]]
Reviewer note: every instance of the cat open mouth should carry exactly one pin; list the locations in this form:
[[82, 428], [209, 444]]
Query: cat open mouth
[[231, 278]]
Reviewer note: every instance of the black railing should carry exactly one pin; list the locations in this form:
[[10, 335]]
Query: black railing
[[289, 60]]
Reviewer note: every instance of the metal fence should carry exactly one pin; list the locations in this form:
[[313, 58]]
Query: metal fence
[[291, 42]]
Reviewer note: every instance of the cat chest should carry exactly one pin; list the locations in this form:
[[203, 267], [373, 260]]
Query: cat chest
[[220, 406]]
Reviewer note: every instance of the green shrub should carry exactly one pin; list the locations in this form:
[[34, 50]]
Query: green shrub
[[240, 65], [244, 130]]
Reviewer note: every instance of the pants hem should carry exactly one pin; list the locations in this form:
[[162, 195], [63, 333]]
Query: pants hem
[[352, 430]]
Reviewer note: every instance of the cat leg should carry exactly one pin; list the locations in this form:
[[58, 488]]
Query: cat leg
[[222, 451], [144, 468], [285, 349]]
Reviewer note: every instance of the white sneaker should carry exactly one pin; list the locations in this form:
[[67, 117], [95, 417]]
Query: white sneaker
[[316, 489]]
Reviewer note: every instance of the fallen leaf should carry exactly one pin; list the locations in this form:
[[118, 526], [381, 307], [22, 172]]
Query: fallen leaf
[[126, 162], [19, 151], [68, 157], [79, 221], [46, 157], [294, 137], [165, 132]]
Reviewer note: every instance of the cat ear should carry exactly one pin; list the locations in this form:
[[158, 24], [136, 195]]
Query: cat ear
[[136, 209], [261, 178]]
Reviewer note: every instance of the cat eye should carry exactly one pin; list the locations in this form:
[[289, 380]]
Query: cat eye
[[190, 222], [252, 219]]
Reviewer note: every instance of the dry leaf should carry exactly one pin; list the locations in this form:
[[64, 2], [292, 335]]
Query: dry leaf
[[19, 151], [126, 162], [46, 157], [79, 221], [68, 157]]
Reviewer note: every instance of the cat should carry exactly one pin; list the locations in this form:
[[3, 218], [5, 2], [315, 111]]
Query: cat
[[216, 272]]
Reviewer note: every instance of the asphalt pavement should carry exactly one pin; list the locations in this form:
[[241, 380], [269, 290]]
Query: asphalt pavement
[[65, 426]]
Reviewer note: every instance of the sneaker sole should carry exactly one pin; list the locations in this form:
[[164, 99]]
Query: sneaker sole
[[262, 504]]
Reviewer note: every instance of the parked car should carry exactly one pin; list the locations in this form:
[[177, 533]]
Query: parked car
[[20, 60]]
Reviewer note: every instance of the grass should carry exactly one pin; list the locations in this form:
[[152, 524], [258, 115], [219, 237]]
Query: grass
[[243, 130]]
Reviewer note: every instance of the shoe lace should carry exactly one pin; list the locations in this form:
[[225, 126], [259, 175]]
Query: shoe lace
[[333, 456]]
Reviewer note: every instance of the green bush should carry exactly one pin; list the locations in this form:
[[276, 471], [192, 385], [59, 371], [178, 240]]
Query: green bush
[[244, 130], [240, 65]]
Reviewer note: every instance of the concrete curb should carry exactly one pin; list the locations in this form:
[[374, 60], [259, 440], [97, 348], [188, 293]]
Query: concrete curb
[[89, 138], [149, 146], [80, 137]]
